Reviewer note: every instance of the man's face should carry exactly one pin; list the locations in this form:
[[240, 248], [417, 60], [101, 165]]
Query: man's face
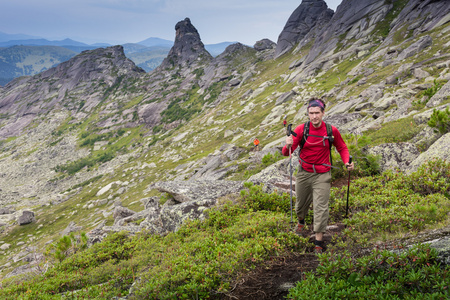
[[315, 115]]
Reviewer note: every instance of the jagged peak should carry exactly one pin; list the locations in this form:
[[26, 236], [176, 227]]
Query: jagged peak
[[187, 47], [302, 20]]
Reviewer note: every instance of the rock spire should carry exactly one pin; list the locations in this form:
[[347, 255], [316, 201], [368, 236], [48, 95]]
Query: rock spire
[[187, 48]]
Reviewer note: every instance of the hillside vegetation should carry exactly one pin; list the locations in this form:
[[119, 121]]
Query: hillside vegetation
[[91, 138], [204, 259]]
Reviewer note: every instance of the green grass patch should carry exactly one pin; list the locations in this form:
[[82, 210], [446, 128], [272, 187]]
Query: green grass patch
[[397, 131]]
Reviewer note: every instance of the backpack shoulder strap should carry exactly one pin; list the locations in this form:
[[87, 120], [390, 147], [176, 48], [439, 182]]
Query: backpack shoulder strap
[[305, 135], [330, 139], [330, 134]]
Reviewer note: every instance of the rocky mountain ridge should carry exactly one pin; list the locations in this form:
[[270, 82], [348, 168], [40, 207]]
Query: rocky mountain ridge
[[192, 121], [30, 57]]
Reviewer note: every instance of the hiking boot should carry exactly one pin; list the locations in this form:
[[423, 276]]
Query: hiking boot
[[318, 250], [299, 227], [320, 247]]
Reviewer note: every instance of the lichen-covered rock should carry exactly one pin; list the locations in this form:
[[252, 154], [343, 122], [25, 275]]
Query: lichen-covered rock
[[438, 149], [395, 156], [199, 190], [442, 95], [122, 212], [72, 227]]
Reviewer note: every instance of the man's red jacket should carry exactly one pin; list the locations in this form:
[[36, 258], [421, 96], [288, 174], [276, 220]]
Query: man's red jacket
[[314, 151]]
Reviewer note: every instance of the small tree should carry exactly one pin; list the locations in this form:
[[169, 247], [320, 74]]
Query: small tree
[[67, 245], [440, 120]]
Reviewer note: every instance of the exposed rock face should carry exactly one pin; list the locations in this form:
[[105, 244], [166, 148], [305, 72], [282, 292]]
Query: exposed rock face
[[422, 15], [439, 149], [440, 96], [264, 44], [395, 156], [190, 201], [72, 227], [355, 18], [415, 48], [300, 23], [187, 48], [220, 70], [208, 190], [89, 73]]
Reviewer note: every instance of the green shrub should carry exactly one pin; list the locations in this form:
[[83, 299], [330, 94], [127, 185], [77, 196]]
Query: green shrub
[[430, 92], [66, 246], [431, 178], [365, 163], [412, 274], [270, 158], [394, 202], [89, 161], [257, 199], [440, 120]]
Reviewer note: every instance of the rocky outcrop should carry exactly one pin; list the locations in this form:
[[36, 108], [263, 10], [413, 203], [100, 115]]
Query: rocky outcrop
[[187, 48], [353, 19], [416, 47], [89, 74], [395, 156], [422, 15], [302, 20], [441, 96], [264, 44], [189, 200], [223, 68], [439, 149], [203, 190]]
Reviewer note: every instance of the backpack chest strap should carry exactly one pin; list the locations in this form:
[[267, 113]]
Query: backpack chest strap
[[329, 138]]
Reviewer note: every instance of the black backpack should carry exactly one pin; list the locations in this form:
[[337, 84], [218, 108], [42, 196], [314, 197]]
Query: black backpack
[[329, 137]]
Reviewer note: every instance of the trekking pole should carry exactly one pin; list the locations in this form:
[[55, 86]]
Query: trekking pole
[[348, 188], [289, 132]]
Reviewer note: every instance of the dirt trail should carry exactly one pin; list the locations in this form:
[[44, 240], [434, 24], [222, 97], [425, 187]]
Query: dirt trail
[[275, 277]]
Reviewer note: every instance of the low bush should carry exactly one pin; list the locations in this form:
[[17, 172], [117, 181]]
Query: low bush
[[394, 202], [440, 120], [198, 261], [412, 274]]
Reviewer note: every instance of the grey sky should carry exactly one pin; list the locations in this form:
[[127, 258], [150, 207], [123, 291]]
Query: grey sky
[[131, 21]]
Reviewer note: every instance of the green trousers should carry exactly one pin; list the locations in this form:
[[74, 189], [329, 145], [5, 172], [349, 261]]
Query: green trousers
[[313, 188]]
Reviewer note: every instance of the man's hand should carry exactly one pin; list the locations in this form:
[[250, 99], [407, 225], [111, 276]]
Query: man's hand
[[350, 167], [289, 141]]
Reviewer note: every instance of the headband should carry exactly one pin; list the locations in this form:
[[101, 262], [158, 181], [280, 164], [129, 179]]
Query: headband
[[316, 103]]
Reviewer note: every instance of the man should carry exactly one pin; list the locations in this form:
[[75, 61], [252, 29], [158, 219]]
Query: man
[[313, 180]]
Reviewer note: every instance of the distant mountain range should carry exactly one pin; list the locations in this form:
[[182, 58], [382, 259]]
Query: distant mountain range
[[22, 54]]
